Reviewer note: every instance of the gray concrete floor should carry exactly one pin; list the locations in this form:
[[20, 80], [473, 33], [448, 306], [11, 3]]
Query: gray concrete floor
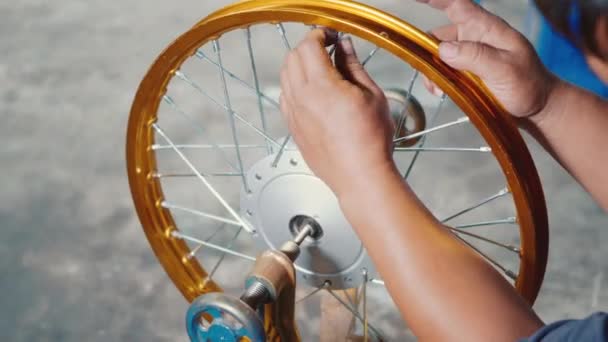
[[74, 264]]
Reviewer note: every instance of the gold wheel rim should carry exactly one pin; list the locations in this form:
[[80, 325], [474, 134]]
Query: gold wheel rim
[[387, 32]]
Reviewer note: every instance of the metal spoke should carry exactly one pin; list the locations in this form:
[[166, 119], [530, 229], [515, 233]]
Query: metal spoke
[[434, 129], [484, 201], [207, 239], [281, 30], [423, 139], [479, 237], [352, 300], [172, 206], [201, 55], [175, 107], [230, 112], [355, 313], [483, 149], [364, 289], [377, 282], [276, 160], [310, 294], [185, 237], [222, 257], [403, 117], [256, 82], [288, 137], [506, 271], [510, 220], [188, 80], [332, 51], [158, 147], [189, 175], [370, 55], [204, 180]]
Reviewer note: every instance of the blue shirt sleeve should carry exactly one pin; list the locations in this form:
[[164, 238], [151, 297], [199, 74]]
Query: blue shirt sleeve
[[592, 329], [562, 57]]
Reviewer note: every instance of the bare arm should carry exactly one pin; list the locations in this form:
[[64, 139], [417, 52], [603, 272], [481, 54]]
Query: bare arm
[[443, 289], [570, 122], [573, 127]]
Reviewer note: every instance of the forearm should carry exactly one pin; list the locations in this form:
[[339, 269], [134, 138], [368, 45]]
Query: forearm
[[573, 128], [438, 284]]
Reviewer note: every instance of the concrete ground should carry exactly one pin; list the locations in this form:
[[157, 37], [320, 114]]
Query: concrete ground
[[74, 263]]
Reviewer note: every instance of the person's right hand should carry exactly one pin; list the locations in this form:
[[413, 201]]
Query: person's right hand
[[484, 44]]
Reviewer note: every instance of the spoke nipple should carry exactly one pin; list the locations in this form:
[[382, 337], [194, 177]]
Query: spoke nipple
[[485, 149]]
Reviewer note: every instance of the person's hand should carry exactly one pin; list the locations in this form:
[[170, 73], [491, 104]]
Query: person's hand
[[338, 116], [484, 44]]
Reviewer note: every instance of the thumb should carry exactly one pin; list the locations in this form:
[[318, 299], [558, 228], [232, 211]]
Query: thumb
[[349, 65], [481, 59]]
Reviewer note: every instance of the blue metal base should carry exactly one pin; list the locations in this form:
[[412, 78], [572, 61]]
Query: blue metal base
[[228, 320]]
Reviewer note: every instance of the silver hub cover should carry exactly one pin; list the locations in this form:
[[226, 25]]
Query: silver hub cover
[[281, 193]]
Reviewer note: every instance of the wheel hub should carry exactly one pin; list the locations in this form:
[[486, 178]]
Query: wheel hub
[[287, 196]]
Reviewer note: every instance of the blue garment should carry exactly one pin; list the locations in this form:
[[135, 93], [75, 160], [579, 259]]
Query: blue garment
[[592, 329], [561, 56]]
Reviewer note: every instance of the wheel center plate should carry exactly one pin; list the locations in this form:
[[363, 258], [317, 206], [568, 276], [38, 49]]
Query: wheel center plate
[[278, 195]]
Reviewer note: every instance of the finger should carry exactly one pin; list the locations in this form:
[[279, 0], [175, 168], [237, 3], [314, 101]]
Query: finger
[[331, 36], [478, 58], [285, 100], [446, 32], [350, 67], [438, 4], [314, 58], [289, 110], [458, 11], [285, 110], [477, 24], [294, 70]]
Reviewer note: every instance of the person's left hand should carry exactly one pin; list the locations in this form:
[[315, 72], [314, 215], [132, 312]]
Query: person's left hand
[[338, 116]]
